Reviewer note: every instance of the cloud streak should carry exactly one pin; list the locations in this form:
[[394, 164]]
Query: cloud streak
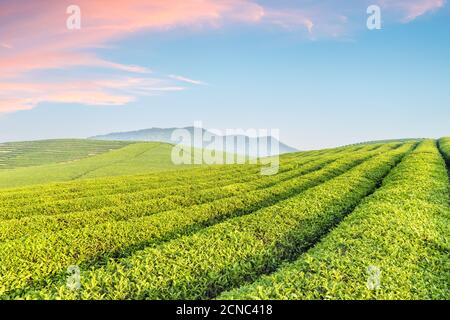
[[412, 9], [16, 96], [35, 39], [187, 80]]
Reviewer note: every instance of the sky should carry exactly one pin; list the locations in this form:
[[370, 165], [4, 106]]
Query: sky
[[311, 69]]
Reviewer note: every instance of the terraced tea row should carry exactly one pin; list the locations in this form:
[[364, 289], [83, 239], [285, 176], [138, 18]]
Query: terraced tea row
[[60, 191], [234, 199], [135, 158], [51, 253], [394, 246], [170, 197], [201, 233], [32, 222], [444, 147], [89, 187], [222, 256], [35, 153], [111, 185], [133, 186]]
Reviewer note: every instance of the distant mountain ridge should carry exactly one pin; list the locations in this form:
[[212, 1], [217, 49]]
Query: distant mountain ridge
[[165, 135]]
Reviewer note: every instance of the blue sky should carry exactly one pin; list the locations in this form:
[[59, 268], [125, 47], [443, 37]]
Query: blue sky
[[319, 88]]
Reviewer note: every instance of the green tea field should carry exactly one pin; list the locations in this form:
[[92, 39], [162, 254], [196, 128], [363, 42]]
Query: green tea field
[[43, 162], [366, 221], [35, 153]]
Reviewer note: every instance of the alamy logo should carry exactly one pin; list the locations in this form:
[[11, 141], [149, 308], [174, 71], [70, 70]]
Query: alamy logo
[[374, 279], [374, 19], [73, 22], [73, 278], [232, 146]]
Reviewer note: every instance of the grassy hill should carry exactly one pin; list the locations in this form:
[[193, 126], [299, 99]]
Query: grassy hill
[[358, 222], [35, 153], [126, 159]]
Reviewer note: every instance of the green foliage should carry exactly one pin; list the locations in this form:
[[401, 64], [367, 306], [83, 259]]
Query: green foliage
[[36, 153], [101, 237], [403, 230], [137, 158], [444, 146], [132, 190], [198, 232], [204, 263]]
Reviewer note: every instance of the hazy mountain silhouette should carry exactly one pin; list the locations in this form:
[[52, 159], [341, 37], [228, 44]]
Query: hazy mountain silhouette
[[239, 144]]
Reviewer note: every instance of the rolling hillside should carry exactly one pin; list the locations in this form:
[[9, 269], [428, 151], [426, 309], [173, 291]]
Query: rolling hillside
[[35, 153], [126, 159], [316, 230]]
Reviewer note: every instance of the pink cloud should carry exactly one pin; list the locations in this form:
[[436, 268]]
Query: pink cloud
[[412, 9], [39, 27], [15, 104], [16, 96], [34, 38]]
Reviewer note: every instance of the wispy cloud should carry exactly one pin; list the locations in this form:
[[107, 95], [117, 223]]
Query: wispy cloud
[[18, 63], [35, 38], [187, 80], [410, 10], [16, 96], [38, 29], [315, 19], [331, 18]]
